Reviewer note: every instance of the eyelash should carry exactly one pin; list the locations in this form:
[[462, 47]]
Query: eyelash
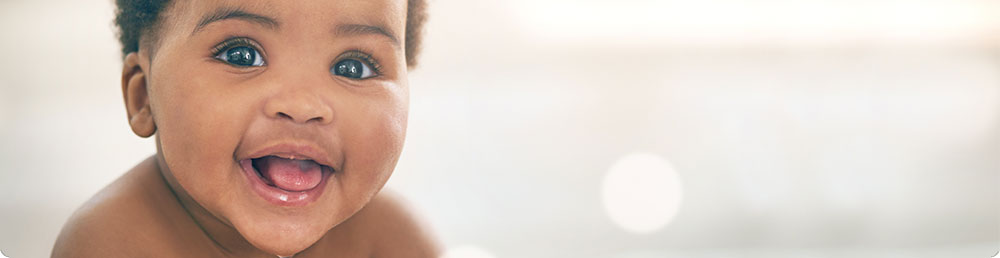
[[361, 56], [236, 42]]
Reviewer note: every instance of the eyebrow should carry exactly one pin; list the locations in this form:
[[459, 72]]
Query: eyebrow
[[225, 13], [361, 29]]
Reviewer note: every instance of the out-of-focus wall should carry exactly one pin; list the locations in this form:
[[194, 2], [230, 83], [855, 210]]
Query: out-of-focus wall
[[713, 128]]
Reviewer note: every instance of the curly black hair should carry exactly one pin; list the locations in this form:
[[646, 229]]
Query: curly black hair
[[136, 18]]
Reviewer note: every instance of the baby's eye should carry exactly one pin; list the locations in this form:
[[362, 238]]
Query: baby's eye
[[241, 56], [353, 69], [240, 51], [356, 65]]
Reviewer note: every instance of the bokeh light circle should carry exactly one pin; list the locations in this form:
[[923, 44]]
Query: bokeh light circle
[[642, 192]]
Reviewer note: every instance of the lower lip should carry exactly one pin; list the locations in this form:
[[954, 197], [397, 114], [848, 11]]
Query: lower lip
[[278, 196]]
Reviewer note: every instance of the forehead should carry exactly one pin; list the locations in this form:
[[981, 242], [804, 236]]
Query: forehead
[[294, 15]]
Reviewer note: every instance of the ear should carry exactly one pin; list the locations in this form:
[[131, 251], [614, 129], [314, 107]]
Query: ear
[[140, 116]]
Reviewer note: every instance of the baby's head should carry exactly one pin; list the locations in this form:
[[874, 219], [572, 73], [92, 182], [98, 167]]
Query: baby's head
[[279, 118]]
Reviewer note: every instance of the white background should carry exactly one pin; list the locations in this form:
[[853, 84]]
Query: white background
[[790, 128]]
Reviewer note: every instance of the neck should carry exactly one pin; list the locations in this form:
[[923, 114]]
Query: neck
[[225, 239]]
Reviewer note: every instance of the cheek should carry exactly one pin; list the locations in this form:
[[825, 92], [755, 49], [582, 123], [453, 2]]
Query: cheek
[[198, 131], [375, 142]]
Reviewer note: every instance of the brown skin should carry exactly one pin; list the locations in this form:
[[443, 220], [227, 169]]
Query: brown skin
[[192, 198], [138, 216]]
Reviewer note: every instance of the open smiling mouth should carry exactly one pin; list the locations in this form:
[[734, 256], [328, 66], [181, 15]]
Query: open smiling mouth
[[286, 180]]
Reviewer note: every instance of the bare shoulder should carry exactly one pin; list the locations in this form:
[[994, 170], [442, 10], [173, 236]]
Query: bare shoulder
[[396, 230], [119, 221]]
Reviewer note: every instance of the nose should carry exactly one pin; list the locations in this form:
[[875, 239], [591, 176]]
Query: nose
[[300, 106]]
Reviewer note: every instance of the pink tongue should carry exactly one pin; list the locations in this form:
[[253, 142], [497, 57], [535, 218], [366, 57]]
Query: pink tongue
[[290, 175]]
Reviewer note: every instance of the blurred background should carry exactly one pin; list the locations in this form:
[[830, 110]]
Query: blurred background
[[598, 128]]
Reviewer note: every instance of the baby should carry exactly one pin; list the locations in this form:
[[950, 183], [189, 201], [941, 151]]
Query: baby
[[276, 124]]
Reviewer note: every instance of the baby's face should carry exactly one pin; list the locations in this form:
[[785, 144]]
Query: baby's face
[[280, 118]]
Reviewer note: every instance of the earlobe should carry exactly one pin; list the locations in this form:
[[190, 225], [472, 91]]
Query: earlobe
[[140, 115]]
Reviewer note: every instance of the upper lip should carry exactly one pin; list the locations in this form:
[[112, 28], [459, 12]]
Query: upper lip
[[292, 150]]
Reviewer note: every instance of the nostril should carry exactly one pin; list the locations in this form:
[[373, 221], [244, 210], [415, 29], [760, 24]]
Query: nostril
[[317, 119], [283, 115]]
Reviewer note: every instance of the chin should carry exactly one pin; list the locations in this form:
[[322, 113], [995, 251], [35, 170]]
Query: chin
[[284, 240]]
